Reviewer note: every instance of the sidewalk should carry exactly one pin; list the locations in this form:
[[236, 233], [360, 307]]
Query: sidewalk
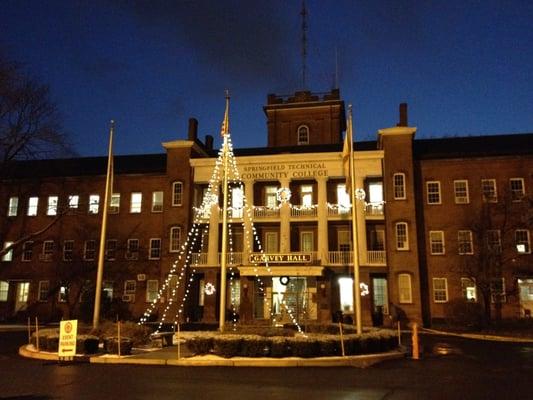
[[479, 336]]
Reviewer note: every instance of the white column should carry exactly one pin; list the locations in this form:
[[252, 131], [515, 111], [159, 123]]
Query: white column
[[322, 246], [248, 237], [361, 224], [285, 223]]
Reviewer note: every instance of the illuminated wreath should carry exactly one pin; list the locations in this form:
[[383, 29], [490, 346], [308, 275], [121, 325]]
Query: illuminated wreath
[[364, 289], [283, 195], [360, 194], [209, 289], [284, 280]]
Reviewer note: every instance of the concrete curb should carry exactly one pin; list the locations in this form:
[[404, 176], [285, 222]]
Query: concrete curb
[[476, 336], [41, 355]]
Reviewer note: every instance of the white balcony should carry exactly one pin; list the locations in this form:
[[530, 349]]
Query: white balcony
[[340, 258], [198, 259], [234, 213], [336, 210], [264, 212], [374, 210], [231, 258], [304, 211], [376, 257]]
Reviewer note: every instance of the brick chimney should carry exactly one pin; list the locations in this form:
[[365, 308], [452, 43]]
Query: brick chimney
[[403, 115], [193, 129], [209, 142]]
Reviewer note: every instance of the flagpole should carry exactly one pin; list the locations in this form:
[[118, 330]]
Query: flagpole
[[225, 132], [101, 250], [357, 290]]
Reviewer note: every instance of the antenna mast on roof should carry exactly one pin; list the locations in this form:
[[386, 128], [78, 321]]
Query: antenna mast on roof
[[303, 13]]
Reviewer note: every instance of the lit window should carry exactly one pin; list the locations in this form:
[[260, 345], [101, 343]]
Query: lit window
[[522, 241], [494, 242], [402, 238], [94, 203], [68, 250], [157, 201], [460, 188], [306, 193], [344, 242], [111, 250], [433, 192], [73, 201], [33, 204], [399, 186], [346, 294], [271, 242], [517, 189], [23, 291], [436, 242], [48, 250], [114, 206], [303, 134], [89, 251], [136, 202], [177, 194], [62, 295], [237, 202], [132, 252], [375, 192], [343, 198], [468, 288], [4, 290], [9, 255], [155, 249], [175, 239], [12, 209], [464, 242], [440, 290], [52, 205], [152, 289], [107, 290], [497, 291], [44, 289], [488, 190], [404, 289], [271, 199], [27, 251], [306, 241], [130, 287]]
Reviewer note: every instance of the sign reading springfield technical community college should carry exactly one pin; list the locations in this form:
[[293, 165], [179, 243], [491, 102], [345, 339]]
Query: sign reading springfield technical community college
[[67, 338], [281, 258]]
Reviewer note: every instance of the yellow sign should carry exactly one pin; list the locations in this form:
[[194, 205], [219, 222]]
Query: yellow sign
[[281, 258], [68, 331]]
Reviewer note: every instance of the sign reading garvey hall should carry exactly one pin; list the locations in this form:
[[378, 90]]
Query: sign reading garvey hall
[[295, 258]]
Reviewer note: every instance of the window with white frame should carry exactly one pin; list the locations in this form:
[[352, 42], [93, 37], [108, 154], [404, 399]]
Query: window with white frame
[[271, 199], [303, 134], [89, 251], [62, 294], [306, 193], [436, 242], [271, 242], [52, 205], [48, 250], [155, 249], [111, 249], [130, 286], [460, 189], [33, 205], [9, 255], [157, 201], [175, 239], [402, 238], [497, 291], [440, 290], [404, 289], [489, 191], [344, 242], [114, 206], [468, 289], [152, 289], [177, 194], [73, 201], [94, 203], [517, 189], [343, 198], [27, 251], [44, 289], [4, 290], [398, 180], [433, 192], [494, 241], [68, 250], [522, 241], [464, 242], [306, 241], [13, 206], [136, 202], [132, 251]]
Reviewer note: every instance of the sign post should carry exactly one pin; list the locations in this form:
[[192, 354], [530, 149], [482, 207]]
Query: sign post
[[67, 339]]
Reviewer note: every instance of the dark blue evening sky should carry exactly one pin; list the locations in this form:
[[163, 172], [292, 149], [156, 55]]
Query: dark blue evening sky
[[464, 67]]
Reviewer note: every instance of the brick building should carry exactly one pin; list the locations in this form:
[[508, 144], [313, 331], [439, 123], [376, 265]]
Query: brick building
[[430, 207]]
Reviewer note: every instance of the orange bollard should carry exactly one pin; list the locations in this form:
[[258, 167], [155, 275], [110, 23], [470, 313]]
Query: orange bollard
[[416, 354]]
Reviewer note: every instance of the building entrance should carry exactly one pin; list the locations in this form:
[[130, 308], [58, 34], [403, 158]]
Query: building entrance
[[525, 286], [289, 297]]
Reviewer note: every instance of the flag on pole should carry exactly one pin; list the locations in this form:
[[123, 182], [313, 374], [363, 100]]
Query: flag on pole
[[225, 122], [347, 152]]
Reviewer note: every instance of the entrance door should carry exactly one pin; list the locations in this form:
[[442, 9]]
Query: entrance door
[[289, 299], [21, 301], [525, 286], [380, 298]]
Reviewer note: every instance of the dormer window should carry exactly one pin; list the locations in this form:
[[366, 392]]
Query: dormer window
[[303, 134]]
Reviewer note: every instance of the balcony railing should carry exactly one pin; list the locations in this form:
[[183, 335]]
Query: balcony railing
[[266, 212], [376, 257], [235, 213], [338, 210], [304, 211], [199, 259], [374, 209], [231, 258], [340, 257]]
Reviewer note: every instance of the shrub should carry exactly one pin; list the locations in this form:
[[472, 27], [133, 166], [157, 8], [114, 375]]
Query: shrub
[[87, 344], [255, 346], [227, 346], [465, 314], [330, 347], [111, 345], [305, 347], [200, 345], [139, 334], [280, 347], [52, 343]]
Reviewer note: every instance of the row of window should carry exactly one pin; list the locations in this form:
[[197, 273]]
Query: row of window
[[465, 243], [489, 191], [90, 249], [73, 202], [468, 290], [43, 292]]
